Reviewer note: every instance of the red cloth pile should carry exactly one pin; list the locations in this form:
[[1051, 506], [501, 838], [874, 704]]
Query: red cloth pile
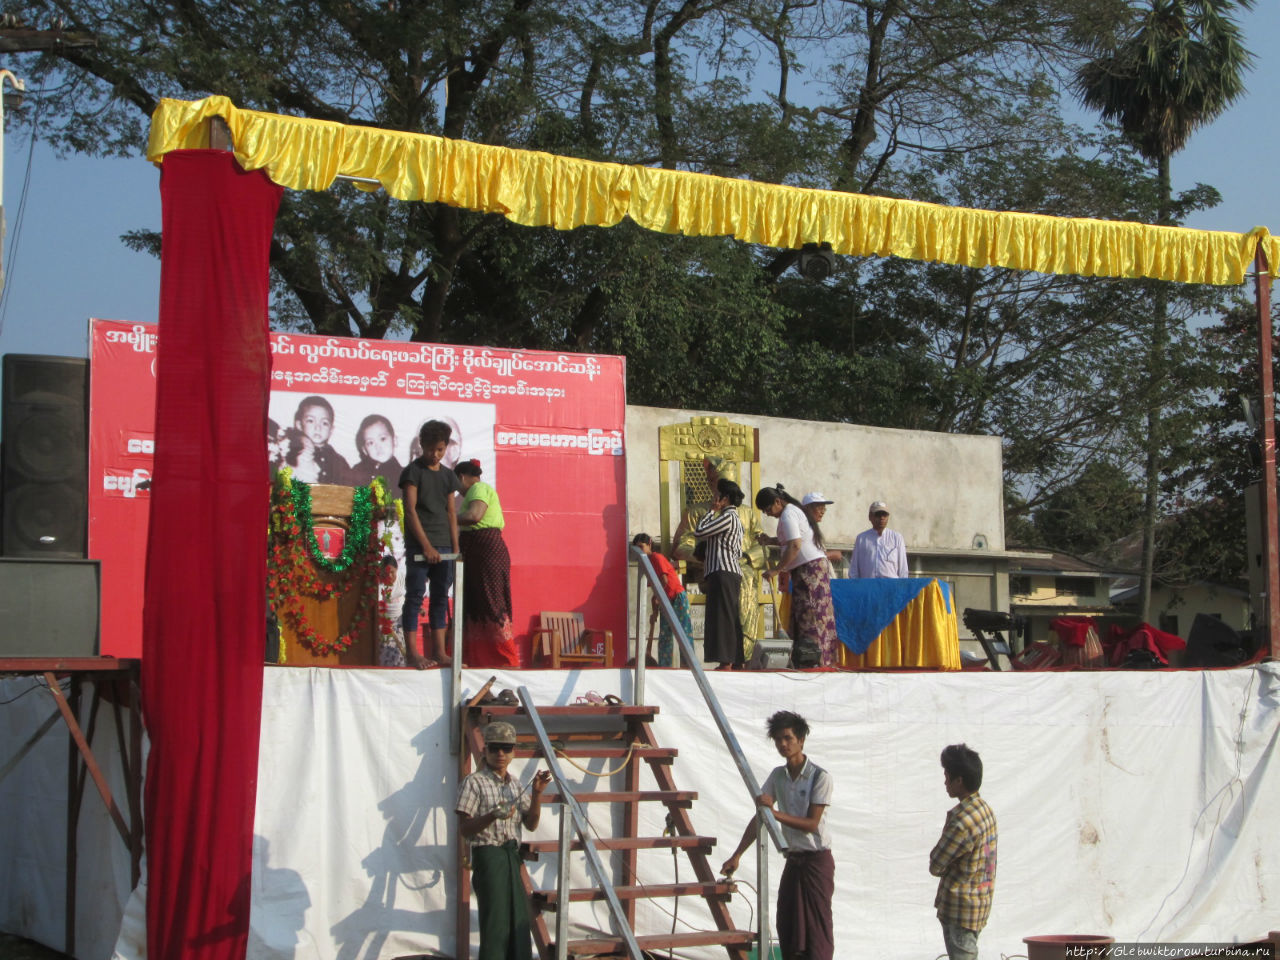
[[1079, 639], [1072, 631], [1123, 640]]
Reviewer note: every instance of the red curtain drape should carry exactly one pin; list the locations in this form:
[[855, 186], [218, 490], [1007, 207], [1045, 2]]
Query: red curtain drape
[[205, 607]]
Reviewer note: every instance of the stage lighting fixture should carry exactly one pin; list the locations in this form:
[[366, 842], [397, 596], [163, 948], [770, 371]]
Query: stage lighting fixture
[[817, 262]]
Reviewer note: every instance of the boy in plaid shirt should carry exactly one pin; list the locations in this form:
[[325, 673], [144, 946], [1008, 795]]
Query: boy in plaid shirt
[[964, 858]]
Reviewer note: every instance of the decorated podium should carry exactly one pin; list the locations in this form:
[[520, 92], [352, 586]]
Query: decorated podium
[[326, 580], [909, 622]]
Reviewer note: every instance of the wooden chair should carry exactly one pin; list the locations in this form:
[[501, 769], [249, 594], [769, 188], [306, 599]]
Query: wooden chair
[[565, 640]]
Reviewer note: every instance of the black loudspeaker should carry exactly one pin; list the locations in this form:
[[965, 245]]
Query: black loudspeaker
[[49, 608], [46, 456], [1212, 643]]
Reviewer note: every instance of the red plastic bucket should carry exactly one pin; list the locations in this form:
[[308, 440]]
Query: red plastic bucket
[[1055, 947]]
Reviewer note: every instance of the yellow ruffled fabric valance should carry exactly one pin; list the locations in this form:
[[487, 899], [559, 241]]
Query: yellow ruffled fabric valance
[[540, 189]]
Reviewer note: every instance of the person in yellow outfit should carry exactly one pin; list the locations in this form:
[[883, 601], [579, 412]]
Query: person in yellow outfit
[[753, 557]]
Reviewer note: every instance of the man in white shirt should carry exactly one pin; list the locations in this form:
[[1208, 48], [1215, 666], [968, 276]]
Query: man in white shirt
[[879, 552], [798, 793]]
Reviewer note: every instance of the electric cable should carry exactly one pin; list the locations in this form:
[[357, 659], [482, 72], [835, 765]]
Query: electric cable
[[38, 685], [22, 205], [634, 875], [603, 773]]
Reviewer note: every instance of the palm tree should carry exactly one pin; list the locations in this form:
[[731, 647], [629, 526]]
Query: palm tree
[[1179, 66]]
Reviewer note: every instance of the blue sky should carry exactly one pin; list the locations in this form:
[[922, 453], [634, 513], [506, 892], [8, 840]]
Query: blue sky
[[69, 263]]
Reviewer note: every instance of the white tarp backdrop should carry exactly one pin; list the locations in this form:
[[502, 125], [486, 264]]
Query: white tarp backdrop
[[1130, 804], [33, 823]]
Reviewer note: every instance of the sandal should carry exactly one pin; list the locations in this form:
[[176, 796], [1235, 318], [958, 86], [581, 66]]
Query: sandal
[[613, 700], [508, 698], [591, 699]]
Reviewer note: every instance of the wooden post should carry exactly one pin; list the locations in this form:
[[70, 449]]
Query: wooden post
[[219, 134], [75, 794], [1271, 548]]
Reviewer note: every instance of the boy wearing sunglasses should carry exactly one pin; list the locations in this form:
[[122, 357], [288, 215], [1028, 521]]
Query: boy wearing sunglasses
[[492, 805]]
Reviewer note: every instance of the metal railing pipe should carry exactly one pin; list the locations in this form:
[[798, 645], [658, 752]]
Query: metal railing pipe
[[570, 803], [704, 686], [637, 690]]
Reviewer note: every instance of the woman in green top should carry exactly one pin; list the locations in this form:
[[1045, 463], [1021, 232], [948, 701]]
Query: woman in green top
[[486, 585]]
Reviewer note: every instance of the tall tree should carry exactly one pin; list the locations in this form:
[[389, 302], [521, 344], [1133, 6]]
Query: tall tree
[[1090, 516], [1175, 69], [949, 100], [678, 83], [1046, 362], [1205, 537]]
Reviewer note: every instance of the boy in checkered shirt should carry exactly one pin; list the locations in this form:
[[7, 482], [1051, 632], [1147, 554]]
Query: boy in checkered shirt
[[492, 805], [964, 858]]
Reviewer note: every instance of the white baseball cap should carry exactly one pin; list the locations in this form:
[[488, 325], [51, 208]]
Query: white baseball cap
[[877, 506], [815, 497]]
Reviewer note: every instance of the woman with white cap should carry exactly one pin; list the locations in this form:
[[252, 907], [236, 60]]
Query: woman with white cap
[[812, 624], [815, 506]]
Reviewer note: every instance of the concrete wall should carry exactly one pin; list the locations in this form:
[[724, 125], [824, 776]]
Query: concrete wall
[[942, 489]]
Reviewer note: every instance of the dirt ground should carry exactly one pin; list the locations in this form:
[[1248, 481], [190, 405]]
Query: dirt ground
[[15, 948]]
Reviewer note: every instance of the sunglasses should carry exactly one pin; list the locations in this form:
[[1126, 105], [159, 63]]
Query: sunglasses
[[500, 747]]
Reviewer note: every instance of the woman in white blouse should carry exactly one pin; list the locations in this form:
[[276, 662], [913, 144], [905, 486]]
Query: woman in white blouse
[[813, 624]]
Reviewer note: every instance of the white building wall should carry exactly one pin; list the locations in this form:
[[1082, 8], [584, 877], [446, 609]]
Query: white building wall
[[943, 490]]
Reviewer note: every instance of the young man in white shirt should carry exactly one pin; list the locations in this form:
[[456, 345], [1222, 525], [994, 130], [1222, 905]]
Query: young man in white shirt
[[802, 791]]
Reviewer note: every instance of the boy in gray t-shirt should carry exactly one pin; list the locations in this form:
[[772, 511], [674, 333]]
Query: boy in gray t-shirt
[[431, 528]]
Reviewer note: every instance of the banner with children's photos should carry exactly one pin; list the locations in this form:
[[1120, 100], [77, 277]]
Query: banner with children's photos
[[547, 429]]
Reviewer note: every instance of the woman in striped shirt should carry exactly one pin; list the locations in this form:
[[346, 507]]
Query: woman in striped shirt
[[721, 530]]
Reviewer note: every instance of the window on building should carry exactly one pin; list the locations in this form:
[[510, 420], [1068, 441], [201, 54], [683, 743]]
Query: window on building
[[1019, 585], [1075, 586]]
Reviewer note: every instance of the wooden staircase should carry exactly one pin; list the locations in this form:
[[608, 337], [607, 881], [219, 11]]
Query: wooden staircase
[[622, 737]]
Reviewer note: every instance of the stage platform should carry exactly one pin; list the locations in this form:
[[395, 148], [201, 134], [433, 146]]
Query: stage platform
[[1131, 804]]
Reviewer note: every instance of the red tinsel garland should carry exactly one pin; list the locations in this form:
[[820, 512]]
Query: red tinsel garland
[[292, 576]]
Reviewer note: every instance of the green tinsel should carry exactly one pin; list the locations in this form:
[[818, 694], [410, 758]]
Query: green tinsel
[[357, 537]]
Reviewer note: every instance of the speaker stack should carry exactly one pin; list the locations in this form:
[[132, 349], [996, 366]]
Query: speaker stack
[[48, 591], [46, 456]]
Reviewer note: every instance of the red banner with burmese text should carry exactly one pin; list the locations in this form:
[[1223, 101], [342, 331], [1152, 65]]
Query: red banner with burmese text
[[547, 428]]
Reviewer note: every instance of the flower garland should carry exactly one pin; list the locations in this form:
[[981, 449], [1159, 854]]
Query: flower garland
[[293, 559]]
